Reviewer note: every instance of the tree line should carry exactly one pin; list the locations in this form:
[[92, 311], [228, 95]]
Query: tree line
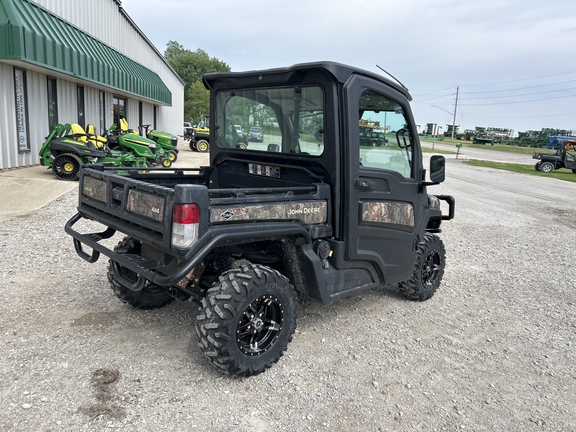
[[190, 66]]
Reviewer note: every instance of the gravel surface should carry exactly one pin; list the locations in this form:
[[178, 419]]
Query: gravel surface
[[492, 350]]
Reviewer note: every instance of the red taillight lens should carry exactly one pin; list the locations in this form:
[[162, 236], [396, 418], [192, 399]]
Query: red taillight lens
[[185, 224], [186, 214]]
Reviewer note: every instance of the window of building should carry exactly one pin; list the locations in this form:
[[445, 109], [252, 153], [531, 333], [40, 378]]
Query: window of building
[[52, 90], [140, 120], [80, 105], [102, 110], [385, 140], [119, 108], [21, 97]]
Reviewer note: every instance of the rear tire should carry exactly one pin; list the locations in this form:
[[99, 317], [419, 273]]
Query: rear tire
[[67, 167], [547, 167], [151, 296], [248, 320], [428, 270]]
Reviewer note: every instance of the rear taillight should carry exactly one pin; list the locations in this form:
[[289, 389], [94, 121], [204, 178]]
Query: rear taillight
[[185, 223]]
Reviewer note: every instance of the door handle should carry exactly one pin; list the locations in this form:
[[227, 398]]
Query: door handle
[[364, 184]]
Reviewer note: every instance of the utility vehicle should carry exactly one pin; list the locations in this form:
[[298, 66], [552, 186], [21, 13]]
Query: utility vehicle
[[565, 157], [290, 218]]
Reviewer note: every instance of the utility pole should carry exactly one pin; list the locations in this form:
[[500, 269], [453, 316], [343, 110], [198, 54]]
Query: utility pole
[[454, 119]]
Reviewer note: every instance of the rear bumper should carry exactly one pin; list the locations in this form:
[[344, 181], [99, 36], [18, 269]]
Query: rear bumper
[[216, 236]]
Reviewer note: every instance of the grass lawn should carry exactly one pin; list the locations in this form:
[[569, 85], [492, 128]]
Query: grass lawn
[[437, 151], [499, 147], [561, 174]]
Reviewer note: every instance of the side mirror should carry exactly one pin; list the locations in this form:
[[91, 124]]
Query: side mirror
[[437, 171], [273, 148]]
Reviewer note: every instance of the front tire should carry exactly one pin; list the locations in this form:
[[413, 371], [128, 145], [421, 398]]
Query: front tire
[[428, 270], [248, 320], [151, 296]]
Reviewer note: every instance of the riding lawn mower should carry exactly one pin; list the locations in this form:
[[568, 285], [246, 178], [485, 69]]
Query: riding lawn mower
[[68, 147]]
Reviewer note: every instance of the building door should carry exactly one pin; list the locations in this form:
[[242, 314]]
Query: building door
[[119, 108]]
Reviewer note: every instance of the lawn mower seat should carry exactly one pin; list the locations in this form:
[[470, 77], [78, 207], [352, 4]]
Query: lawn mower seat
[[99, 141], [124, 127], [78, 132]]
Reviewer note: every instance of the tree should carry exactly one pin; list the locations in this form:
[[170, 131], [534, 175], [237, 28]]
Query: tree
[[191, 66], [196, 102]]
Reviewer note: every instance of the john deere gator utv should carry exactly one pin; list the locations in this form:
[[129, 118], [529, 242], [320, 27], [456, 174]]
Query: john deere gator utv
[[200, 136], [68, 147]]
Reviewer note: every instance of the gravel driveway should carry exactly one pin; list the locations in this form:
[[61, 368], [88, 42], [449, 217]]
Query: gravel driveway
[[494, 349]]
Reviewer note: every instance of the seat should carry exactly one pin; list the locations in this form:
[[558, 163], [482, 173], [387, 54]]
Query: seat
[[78, 132], [99, 141], [124, 127]]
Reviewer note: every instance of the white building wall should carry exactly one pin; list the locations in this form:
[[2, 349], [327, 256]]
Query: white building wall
[[104, 20], [67, 106], [37, 115], [8, 137]]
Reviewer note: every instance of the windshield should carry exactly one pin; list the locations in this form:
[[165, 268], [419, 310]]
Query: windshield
[[285, 120]]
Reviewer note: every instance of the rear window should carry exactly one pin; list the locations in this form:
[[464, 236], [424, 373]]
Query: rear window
[[290, 119]]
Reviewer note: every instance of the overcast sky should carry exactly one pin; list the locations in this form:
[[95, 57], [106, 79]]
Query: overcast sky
[[513, 60]]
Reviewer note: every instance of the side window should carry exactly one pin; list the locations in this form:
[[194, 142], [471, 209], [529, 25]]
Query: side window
[[384, 136]]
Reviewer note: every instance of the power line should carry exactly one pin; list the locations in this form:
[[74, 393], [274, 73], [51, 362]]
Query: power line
[[434, 98], [518, 95], [518, 80], [517, 102], [524, 117], [518, 88]]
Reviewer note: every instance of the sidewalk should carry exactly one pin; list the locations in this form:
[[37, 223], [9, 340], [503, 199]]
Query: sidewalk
[[24, 190]]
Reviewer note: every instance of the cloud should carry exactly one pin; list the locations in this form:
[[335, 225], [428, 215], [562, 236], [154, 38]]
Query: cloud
[[428, 44]]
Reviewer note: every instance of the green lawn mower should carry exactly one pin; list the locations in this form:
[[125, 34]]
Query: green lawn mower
[[123, 139], [68, 147], [164, 140]]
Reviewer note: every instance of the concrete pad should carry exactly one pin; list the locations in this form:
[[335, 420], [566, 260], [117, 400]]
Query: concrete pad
[[25, 190]]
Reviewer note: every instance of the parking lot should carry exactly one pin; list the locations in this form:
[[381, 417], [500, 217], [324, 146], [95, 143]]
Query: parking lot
[[492, 350]]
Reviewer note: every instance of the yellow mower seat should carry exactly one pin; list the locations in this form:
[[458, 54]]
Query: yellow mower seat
[[79, 134], [124, 127], [99, 141]]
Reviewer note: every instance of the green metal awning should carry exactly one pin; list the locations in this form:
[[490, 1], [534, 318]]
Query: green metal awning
[[33, 34]]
